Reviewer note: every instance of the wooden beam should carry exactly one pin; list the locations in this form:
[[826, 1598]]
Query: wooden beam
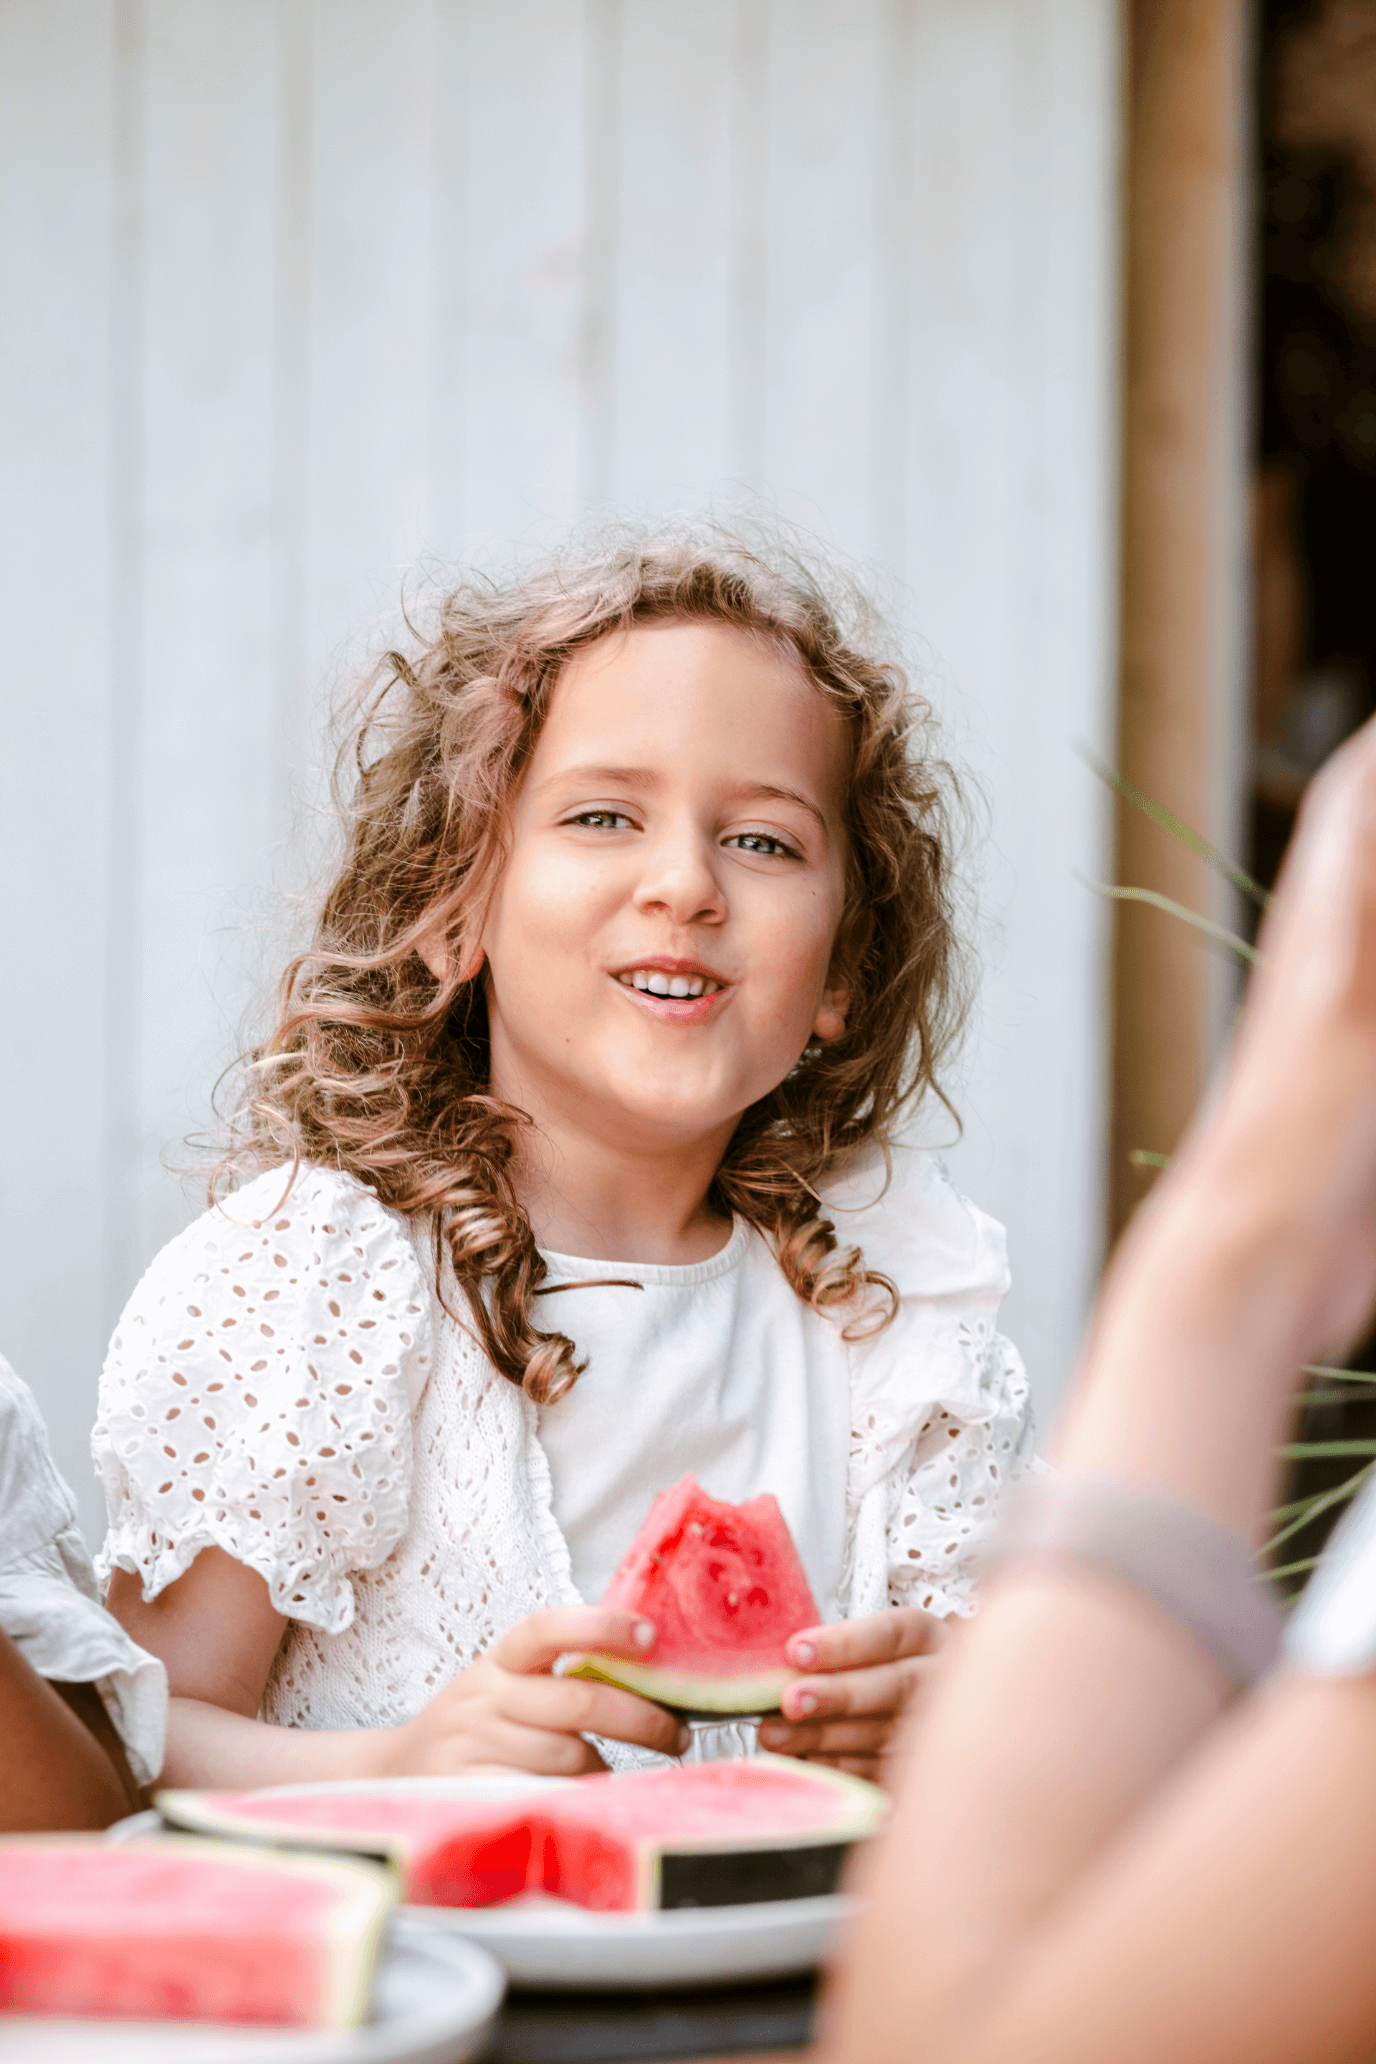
[[1183, 497]]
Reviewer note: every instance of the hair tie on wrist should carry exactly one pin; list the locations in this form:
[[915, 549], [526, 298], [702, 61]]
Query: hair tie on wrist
[[1195, 1569]]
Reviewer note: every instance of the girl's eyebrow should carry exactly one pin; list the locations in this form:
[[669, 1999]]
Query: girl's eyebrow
[[645, 778]]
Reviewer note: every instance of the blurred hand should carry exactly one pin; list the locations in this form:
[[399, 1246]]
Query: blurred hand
[[1290, 1144], [863, 1676], [509, 1708]]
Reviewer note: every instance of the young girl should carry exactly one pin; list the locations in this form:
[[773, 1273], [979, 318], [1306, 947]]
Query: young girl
[[577, 1174]]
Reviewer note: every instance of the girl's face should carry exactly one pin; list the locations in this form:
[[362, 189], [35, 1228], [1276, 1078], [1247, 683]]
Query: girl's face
[[659, 950]]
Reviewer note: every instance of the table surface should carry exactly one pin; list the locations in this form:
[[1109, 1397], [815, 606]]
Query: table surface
[[637, 2027]]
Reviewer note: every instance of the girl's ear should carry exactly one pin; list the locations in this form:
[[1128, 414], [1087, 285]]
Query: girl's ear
[[830, 1021], [434, 949]]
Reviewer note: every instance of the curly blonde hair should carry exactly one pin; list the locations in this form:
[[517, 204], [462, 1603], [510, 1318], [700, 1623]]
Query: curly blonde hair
[[378, 1067]]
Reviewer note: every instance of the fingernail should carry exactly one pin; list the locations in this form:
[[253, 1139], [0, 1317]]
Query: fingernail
[[685, 1741], [803, 1702], [804, 1654], [772, 1732], [643, 1633]]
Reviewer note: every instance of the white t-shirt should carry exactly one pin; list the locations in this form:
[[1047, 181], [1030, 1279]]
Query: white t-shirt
[[1332, 1631], [49, 1604], [717, 1368]]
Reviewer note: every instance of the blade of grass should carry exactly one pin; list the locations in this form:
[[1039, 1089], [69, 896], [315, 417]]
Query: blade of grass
[[1142, 1157], [1338, 1375], [1306, 1509], [1217, 932], [1319, 1450], [1292, 1569], [1184, 834]]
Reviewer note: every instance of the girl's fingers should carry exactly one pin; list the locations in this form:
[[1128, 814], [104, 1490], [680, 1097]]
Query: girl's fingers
[[885, 1689], [575, 1705], [877, 1638], [828, 1737], [537, 1642], [546, 1751]]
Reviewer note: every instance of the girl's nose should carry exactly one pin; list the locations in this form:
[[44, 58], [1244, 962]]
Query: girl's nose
[[680, 880]]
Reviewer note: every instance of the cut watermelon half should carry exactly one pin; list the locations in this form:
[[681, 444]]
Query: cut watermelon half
[[714, 1834], [725, 1589], [173, 1930]]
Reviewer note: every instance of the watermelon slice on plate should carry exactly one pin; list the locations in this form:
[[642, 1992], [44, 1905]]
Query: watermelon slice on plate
[[449, 1844], [763, 1829], [725, 1589], [171, 1929], [711, 1834]]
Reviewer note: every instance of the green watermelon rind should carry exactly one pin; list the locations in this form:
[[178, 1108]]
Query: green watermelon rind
[[688, 1691], [353, 1927]]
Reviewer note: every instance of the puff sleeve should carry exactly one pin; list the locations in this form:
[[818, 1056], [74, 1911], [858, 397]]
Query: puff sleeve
[[258, 1391], [941, 1416]]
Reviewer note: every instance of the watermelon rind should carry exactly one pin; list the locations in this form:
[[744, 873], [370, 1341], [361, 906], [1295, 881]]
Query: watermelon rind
[[686, 1692], [354, 1925]]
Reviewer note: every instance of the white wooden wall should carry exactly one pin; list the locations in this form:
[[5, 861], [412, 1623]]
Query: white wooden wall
[[298, 292]]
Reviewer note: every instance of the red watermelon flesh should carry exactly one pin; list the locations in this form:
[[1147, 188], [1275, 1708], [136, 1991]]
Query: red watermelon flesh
[[446, 1852], [710, 1834], [725, 1589], [713, 1834], [186, 1930]]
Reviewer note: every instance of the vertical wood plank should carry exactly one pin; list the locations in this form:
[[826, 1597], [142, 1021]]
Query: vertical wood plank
[[210, 733], [674, 258], [1182, 553], [56, 60]]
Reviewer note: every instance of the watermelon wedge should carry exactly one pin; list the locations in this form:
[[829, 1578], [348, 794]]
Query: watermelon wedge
[[165, 1929], [725, 1589], [445, 1852], [712, 1834]]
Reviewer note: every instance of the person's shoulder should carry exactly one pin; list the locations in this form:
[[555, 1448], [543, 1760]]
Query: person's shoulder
[[288, 1220], [900, 1207], [35, 1503]]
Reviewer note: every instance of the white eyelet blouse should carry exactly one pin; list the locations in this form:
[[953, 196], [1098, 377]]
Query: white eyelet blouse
[[286, 1384]]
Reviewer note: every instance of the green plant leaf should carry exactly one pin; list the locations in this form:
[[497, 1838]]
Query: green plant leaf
[[1317, 1450], [1142, 1157], [1338, 1375], [1305, 1509], [1217, 932], [1184, 834]]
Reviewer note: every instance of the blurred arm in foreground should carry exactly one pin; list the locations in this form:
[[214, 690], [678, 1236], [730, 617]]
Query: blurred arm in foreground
[[1094, 1854]]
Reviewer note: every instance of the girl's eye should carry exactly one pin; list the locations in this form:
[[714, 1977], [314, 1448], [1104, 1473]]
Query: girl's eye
[[761, 842], [600, 820]]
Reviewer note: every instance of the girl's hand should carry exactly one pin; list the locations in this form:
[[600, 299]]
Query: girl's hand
[[509, 1708], [863, 1676]]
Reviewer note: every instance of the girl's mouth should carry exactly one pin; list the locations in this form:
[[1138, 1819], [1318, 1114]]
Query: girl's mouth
[[656, 981], [682, 992]]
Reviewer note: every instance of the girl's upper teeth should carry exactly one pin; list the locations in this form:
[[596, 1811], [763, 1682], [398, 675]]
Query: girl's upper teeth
[[657, 983]]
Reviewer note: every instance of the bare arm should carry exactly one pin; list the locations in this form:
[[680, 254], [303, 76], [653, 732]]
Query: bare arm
[[63, 1764], [1087, 1860], [218, 1633]]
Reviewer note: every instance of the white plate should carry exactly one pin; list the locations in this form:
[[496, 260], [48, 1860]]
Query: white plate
[[434, 2001], [547, 1944]]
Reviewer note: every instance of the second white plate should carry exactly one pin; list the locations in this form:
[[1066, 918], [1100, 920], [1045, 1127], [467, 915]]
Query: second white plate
[[549, 1945]]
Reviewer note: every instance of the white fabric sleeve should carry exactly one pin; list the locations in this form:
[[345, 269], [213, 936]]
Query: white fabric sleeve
[[940, 1402], [1332, 1631], [49, 1604], [258, 1391]]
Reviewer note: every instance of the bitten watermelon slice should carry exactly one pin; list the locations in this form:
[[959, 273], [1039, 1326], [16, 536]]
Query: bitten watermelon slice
[[725, 1589], [167, 1929], [714, 1834]]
